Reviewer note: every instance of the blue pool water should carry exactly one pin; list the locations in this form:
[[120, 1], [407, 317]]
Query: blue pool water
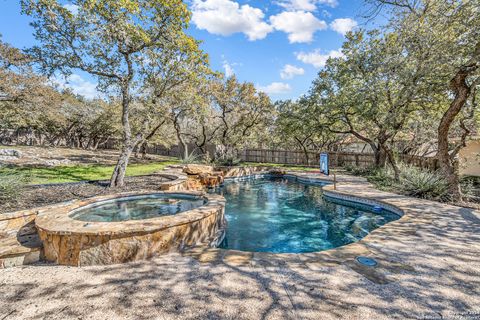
[[283, 216]]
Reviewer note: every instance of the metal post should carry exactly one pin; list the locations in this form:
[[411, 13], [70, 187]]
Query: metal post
[[334, 181]]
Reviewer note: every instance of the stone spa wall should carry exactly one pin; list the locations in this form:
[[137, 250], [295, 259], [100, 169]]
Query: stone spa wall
[[21, 243], [78, 243]]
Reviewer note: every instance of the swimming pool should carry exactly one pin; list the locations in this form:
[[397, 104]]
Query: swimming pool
[[281, 215]]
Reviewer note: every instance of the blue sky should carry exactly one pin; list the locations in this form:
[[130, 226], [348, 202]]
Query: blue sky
[[278, 45]]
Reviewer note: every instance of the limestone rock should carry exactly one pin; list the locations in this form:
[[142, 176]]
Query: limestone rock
[[197, 169], [10, 153]]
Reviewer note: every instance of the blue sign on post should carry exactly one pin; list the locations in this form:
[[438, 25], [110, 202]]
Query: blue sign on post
[[324, 163]]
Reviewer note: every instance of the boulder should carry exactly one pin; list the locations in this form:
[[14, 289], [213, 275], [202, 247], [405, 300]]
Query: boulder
[[10, 153], [197, 169], [211, 181]]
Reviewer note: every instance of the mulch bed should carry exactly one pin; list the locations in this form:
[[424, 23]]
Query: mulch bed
[[38, 196]]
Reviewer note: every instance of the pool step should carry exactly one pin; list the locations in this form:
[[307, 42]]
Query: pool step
[[20, 248]]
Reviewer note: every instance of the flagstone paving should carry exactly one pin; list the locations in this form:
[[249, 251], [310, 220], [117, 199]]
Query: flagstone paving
[[428, 268]]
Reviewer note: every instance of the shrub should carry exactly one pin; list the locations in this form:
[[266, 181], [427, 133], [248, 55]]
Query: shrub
[[470, 186], [423, 183], [414, 181], [360, 171], [191, 158], [382, 178], [225, 156], [11, 186]]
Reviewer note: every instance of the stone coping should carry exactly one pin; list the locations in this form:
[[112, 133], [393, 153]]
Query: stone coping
[[176, 179], [57, 220], [350, 188], [18, 214], [329, 189], [427, 268]]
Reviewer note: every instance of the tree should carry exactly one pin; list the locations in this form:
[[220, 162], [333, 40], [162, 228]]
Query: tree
[[450, 31], [372, 91], [121, 43], [25, 96], [241, 110], [298, 129]]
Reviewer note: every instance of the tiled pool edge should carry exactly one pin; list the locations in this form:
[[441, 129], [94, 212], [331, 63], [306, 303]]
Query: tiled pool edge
[[326, 182]]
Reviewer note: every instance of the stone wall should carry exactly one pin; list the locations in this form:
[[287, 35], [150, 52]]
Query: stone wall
[[72, 242], [19, 241]]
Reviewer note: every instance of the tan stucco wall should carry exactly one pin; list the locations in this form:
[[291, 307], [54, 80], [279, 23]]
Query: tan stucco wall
[[470, 159]]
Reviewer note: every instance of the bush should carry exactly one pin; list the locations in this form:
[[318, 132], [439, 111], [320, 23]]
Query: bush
[[225, 156], [423, 183], [470, 186], [382, 178], [414, 181], [230, 162], [191, 158], [360, 171], [11, 186]]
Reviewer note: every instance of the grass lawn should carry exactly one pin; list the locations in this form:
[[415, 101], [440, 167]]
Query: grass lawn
[[76, 173], [40, 175]]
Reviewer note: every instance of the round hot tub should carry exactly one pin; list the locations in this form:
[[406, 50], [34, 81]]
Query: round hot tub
[[138, 207], [129, 226]]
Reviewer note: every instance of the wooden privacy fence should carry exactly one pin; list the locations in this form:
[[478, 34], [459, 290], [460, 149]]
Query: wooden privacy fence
[[430, 163], [289, 157], [286, 157], [299, 158], [337, 159]]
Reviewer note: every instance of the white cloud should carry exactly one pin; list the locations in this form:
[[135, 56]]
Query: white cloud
[[229, 71], [73, 8], [226, 17], [299, 25], [305, 5], [289, 71], [316, 58], [275, 88], [343, 25], [78, 85]]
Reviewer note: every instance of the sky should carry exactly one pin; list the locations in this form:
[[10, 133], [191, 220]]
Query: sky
[[278, 45]]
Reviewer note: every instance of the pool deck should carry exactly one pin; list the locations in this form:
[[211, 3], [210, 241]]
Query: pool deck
[[428, 268]]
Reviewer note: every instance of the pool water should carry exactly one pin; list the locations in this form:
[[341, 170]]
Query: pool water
[[137, 208], [283, 216]]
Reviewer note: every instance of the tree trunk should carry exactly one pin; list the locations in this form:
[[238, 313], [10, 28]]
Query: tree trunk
[[393, 163], [118, 176], [380, 156], [183, 145], [304, 148], [445, 161]]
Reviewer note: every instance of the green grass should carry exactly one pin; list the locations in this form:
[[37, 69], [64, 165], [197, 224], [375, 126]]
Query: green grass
[[40, 175], [44, 175]]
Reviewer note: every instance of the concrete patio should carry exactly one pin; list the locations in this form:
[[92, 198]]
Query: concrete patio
[[428, 268]]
